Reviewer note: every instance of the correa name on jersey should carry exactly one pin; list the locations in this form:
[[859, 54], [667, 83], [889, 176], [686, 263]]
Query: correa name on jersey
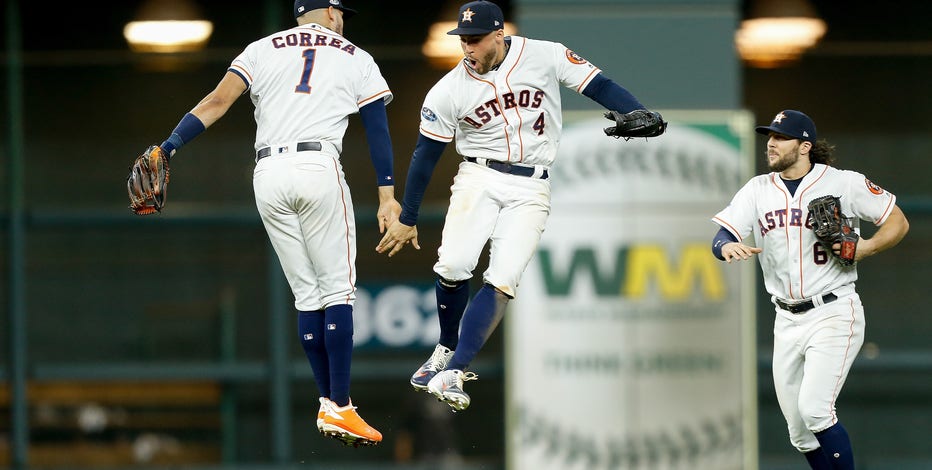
[[778, 218], [523, 98], [312, 40]]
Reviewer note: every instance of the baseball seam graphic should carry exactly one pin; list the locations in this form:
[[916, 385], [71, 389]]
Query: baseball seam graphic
[[681, 447], [671, 158]]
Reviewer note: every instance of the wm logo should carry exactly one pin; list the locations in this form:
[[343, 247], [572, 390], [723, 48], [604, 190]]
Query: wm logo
[[634, 269]]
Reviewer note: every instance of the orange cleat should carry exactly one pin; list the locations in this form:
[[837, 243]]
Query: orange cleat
[[346, 426], [324, 403]]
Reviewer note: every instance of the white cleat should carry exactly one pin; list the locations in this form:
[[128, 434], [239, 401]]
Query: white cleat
[[447, 386], [438, 361]]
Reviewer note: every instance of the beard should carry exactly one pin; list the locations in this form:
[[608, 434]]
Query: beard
[[784, 161], [483, 64]]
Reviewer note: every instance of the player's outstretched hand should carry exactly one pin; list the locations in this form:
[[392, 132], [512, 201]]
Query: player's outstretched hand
[[389, 209], [739, 251], [388, 213], [396, 237]]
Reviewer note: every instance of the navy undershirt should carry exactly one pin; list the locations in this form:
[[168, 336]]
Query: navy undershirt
[[375, 121], [721, 238], [426, 155], [611, 95], [792, 185]]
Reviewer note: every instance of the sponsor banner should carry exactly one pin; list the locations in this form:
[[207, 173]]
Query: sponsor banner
[[395, 316], [629, 346]]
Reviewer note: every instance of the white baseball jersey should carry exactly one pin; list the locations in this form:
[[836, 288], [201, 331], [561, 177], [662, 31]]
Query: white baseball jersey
[[299, 100], [794, 265], [304, 83], [510, 114], [813, 349]]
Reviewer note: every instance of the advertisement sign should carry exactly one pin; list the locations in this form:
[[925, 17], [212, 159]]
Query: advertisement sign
[[629, 346], [396, 316]]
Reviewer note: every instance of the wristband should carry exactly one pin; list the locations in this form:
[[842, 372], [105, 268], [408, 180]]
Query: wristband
[[187, 129]]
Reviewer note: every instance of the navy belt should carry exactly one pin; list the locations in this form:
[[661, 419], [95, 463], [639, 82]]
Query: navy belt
[[803, 307], [301, 147], [506, 167]]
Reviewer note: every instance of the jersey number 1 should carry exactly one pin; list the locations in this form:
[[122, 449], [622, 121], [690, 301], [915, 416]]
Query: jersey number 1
[[304, 86]]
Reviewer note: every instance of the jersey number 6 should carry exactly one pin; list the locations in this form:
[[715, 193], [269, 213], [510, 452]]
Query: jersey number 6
[[819, 255]]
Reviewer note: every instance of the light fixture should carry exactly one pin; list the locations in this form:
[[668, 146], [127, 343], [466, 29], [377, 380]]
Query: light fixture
[[443, 50], [778, 32], [167, 26]]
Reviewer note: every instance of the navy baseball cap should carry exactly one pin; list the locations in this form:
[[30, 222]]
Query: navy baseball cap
[[479, 18], [303, 6], [791, 123]]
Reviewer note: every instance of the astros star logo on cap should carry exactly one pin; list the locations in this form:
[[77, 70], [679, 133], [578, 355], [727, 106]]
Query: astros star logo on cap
[[779, 118], [467, 15]]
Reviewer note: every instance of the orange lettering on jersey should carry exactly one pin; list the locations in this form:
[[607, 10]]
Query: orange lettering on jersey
[[308, 40], [483, 115], [472, 122], [509, 99], [522, 99], [796, 217], [538, 97], [782, 218]]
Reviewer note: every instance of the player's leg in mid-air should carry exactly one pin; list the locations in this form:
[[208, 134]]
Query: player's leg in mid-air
[[452, 297], [312, 229], [469, 223], [514, 239]]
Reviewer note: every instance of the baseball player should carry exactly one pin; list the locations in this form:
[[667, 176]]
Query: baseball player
[[304, 83], [502, 106], [819, 323]]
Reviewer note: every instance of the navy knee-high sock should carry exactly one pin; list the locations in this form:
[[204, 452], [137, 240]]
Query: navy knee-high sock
[[338, 326], [479, 321], [837, 447], [452, 297], [818, 460], [311, 335]]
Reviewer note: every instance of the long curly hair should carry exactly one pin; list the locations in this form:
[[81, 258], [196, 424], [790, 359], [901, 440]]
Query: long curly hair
[[822, 152]]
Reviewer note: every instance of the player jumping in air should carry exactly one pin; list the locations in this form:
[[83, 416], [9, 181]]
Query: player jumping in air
[[305, 82], [502, 106]]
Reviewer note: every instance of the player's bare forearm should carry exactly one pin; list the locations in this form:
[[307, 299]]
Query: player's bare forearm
[[887, 236], [739, 251], [213, 106], [389, 208], [396, 237]]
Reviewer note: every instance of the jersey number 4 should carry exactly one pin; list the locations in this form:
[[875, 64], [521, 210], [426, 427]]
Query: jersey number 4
[[304, 85], [539, 124]]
